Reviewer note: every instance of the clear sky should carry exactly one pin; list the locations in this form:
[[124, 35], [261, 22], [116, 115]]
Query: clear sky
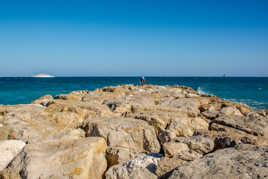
[[134, 37]]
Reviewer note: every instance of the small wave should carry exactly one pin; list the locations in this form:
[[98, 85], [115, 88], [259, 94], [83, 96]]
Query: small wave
[[201, 91], [252, 103]]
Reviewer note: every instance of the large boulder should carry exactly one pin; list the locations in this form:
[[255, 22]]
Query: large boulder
[[126, 132], [245, 161], [199, 144], [54, 149], [157, 116], [73, 113], [80, 158], [173, 148], [139, 168], [166, 165], [186, 126], [26, 123], [180, 150], [188, 105]]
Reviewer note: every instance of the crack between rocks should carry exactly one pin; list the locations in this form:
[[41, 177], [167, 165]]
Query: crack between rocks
[[233, 127]]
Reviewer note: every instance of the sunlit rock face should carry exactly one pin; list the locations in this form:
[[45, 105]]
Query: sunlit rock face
[[127, 131]]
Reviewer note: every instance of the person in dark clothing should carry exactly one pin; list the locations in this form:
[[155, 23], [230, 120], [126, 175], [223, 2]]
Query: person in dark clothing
[[142, 80]]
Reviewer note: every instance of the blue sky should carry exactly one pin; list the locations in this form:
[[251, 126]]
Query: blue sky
[[134, 37]]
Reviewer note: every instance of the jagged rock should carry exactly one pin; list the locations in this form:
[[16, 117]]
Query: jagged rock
[[210, 114], [231, 111], [237, 136], [81, 93], [174, 148], [8, 174], [156, 120], [3, 111], [199, 144], [126, 132], [183, 150], [9, 149], [243, 108], [224, 142], [263, 112], [253, 123], [166, 166], [116, 155], [187, 126], [4, 132], [180, 150], [139, 168], [209, 111], [245, 161], [112, 105], [216, 105], [165, 135], [70, 97], [44, 100], [157, 116]]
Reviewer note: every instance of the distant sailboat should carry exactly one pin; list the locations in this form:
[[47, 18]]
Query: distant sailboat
[[224, 75]]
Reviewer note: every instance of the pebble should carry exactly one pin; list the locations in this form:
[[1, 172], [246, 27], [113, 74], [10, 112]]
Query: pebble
[[1, 125], [265, 165], [257, 164]]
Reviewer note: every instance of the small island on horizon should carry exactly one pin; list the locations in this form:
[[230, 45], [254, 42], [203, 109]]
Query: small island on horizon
[[43, 75]]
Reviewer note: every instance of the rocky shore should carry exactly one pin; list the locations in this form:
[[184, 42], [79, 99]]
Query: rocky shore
[[129, 132]]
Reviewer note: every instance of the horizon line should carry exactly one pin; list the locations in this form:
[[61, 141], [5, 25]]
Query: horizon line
[[126, 76]]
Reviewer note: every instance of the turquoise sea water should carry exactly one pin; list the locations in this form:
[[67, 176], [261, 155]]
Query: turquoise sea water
[[249, 90]]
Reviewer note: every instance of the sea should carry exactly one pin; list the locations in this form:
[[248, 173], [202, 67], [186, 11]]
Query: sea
[[248, 90]]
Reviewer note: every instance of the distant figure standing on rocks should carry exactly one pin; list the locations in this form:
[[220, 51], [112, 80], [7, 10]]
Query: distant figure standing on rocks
[[142, 80]]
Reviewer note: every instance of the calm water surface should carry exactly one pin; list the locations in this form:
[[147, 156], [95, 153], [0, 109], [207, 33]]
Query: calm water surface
[[249, 90]]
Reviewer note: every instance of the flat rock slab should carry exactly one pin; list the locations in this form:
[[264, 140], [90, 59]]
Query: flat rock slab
[[81, 159], [253, 123], [9, 149], [244, 161]]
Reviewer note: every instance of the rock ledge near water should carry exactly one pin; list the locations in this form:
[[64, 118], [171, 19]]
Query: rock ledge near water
[[132, 131]]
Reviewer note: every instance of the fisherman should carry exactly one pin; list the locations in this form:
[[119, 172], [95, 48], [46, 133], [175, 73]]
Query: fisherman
[[142, 80]]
